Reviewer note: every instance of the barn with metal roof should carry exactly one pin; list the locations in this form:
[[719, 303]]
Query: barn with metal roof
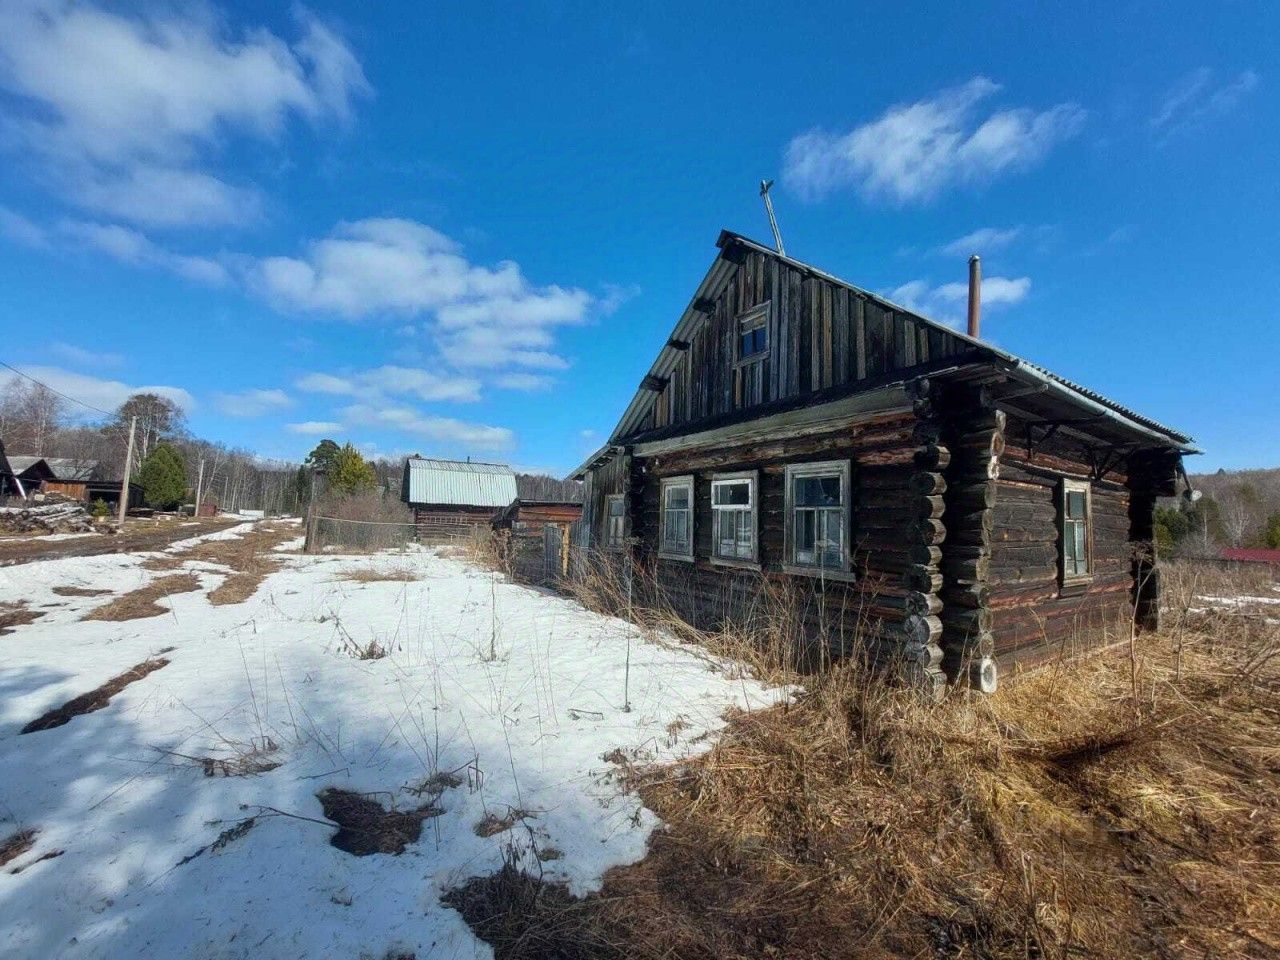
[[451, 497]]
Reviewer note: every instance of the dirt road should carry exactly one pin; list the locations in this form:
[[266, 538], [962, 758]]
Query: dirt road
[[131, 539]]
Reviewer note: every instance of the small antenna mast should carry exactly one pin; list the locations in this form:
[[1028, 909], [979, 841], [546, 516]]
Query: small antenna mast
[[773, 221]]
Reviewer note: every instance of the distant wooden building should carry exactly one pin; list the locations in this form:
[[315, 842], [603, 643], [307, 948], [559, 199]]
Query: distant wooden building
[[68, 477], [953, 506], [451, 497], [535, 537]]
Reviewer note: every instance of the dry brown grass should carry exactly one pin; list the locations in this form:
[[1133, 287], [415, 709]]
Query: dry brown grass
[[80, 592], [15, 845], [16, 615], [1124, 805], [250, 558], [141, 603], [401, 575], [95, 699]]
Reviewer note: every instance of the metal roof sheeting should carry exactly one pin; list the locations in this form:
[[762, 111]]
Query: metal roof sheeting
[[459, 483]]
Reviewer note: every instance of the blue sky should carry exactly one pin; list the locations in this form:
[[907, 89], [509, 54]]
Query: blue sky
[[466, 230]]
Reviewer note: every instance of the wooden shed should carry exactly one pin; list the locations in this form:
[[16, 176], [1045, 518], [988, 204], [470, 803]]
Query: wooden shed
[[939, 500], [450, 498], [535, 537]]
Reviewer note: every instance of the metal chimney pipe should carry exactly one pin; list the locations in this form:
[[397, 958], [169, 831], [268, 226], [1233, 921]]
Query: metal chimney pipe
[[975, 295]]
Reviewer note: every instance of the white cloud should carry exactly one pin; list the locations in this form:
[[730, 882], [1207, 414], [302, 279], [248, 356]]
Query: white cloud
[[413, 422], [85, 358], [913, 151], [524, 381], [131, 247], [252, 403], [103, 394], [313, 427], [393, 381], [119, 107], [484, 317], [944, 302], [981, 241], [1199, 97]]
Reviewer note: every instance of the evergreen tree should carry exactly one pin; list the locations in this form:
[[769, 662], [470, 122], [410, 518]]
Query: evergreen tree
[[325, 456], [351, 473], [163, 477], [1271, 534]]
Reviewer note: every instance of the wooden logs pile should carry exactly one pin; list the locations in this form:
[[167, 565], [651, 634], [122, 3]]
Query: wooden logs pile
[[67, 516], [976, 437]]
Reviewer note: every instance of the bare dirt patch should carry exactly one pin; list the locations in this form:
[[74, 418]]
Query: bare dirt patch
[[80, 592], [366, 827], [94, 699], [16, 615], [16, 844]]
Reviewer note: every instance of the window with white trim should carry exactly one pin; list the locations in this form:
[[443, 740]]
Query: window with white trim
[[615, 521], [1076, 543], [677, 518], [733, 516], [817, 509]]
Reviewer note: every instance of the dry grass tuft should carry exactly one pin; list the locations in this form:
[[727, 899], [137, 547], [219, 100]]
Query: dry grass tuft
[[400, 575], [80, 592], [16, 615], [1116, 806], [94, 699], [16, 844], [141, 603], [491, 824], [366, 827]]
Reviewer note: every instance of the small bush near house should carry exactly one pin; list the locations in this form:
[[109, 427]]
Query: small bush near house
[[101, 511]]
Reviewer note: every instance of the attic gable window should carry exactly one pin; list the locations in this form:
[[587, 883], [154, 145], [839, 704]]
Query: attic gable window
[[817, 514], [753, 334], [1075, 545], [733, 513], [677, 519]]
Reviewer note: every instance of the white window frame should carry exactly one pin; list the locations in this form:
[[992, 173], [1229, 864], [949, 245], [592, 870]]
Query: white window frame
[[1066, 527], [752, 509], [672, 483], [826, 468], [610, 541], [757, 316]]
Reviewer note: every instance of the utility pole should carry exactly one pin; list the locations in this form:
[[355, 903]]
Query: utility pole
[[128, 471], [199, 488]]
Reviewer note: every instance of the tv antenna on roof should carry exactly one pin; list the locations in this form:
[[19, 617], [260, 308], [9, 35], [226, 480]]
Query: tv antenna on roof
[[773, 221]]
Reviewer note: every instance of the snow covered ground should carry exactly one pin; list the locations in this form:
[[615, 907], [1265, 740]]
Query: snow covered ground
[[517, 693]]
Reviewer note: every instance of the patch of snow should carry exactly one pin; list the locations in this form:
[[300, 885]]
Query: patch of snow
[[517, 692], [291, 546], [231, 533]]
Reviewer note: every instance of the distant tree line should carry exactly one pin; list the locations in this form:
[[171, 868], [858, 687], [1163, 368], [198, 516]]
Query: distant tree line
[[1236, 509]]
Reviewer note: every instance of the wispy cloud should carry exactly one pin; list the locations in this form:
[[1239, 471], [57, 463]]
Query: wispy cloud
[[393, 382], [252, 403], [981, 241], [96, 391], [313, 428], [131, 247], [480, 317], [444, 430], [81, 357], [1198, 98], [126, 111], [913, 151], [945, 301]]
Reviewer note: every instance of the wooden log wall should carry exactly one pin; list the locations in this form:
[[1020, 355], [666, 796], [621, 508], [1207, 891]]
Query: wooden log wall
[[891, 603], [609, 478], [821, 334], [1032, 614]]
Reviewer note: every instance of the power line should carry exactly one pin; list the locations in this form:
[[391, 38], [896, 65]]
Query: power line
[[90, 406]]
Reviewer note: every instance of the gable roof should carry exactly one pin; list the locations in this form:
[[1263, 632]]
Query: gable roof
[[34, 466], [461, 483], [70, 469], [1056, 388]]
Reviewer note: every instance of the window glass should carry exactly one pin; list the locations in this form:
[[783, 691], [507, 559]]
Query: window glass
[[1074, 548], [677, 517], [732, 493], [733, 518], [819, 516], [817, 491]]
